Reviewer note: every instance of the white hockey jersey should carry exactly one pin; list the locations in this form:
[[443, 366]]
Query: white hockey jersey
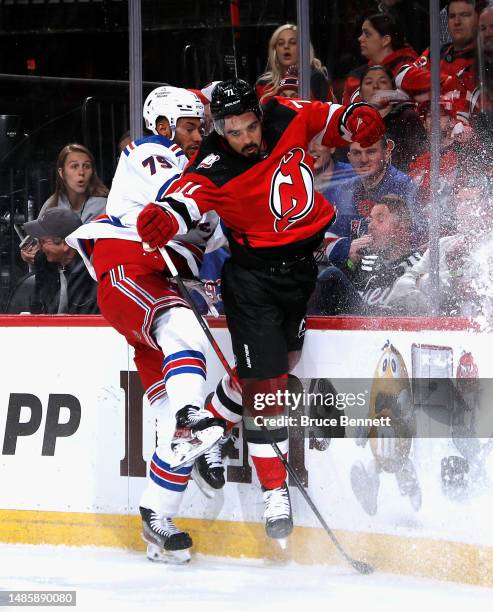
[[146, 170]]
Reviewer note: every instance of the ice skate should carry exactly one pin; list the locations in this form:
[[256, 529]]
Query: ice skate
[[196, 432], [277, 514], [165, 542], [208, 469]]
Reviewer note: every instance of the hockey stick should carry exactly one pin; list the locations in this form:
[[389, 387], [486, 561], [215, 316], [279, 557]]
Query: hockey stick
[[360, 566]]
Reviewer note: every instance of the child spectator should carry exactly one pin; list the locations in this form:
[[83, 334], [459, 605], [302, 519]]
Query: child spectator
[[289, 85]]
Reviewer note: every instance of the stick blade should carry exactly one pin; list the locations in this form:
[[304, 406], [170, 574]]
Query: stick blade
[[362, 567]]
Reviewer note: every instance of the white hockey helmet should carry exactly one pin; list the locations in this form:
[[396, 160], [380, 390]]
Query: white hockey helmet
[[172, 103]]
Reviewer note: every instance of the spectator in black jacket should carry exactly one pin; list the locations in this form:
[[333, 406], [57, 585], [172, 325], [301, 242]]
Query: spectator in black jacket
[[63, 284]]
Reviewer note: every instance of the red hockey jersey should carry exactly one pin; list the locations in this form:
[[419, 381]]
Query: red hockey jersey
[[268, 201]]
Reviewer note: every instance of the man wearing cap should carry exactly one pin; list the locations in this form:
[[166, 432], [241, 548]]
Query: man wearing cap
[[62, 283]]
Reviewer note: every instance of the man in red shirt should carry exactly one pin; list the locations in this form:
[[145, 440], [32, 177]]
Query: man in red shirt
[[254, 170], [456, 58]]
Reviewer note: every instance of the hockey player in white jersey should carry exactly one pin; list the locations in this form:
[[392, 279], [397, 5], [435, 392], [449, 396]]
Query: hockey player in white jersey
[[138, 299]]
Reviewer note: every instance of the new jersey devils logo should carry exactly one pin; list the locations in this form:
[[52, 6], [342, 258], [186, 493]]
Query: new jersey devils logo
[[291, 193]]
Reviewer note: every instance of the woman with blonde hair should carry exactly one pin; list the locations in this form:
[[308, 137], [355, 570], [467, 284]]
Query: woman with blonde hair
[[282, 57], [78, 187]]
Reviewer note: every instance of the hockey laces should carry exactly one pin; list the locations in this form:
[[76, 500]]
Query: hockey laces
[[195, 415], [213, 456], [276, 503], [164, 527]]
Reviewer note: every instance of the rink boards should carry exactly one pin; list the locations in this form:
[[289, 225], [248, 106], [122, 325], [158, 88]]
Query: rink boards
[[76, 437]]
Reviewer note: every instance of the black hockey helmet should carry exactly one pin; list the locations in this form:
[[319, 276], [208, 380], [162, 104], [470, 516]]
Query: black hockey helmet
[[233, 97]]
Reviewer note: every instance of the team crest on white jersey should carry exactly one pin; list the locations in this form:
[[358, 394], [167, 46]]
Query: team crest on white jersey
[[207, 162], [291, 193]]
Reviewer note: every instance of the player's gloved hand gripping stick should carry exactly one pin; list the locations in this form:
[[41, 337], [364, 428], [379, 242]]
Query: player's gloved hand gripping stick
[[361, 566]]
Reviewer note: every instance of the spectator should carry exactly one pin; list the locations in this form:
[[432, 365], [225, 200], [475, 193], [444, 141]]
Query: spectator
[[331, 175], [482, 96], [282, 54], [78, 188], [376, 177], [365, 288], [456, 58], [289, 85], [382, 42], [452, 134], [403, 123], [465, 263], [62, 282], [412, 17]]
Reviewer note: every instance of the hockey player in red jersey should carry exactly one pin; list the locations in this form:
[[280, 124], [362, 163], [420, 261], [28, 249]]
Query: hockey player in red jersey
[[255, 172], [137, 298]]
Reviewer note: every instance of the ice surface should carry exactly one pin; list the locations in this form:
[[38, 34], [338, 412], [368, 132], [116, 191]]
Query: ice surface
[[110, 579]]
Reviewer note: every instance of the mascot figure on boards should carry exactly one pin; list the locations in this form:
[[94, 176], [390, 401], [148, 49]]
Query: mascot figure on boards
[[390, 446]]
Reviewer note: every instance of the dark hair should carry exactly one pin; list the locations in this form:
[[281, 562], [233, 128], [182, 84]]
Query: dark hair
[[368, 69], [386, 25], [398, 206], [478, 5]]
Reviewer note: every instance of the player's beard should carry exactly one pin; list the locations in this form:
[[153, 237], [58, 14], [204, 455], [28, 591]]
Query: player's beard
[[250, 150]]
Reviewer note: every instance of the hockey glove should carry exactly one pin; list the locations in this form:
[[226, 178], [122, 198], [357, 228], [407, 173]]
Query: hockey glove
[[156, 226], [362, 123]]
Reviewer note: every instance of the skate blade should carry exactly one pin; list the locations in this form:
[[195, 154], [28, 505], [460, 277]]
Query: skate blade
[[283, 543], [185, 452], [206, 489], [172, 557]]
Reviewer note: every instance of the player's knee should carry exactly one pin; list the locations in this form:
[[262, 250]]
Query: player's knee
[[189, 330]]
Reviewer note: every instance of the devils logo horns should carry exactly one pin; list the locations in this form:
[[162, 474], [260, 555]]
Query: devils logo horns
[[291, 193]]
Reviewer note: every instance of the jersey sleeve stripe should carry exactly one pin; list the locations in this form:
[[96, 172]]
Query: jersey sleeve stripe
[[165, 186], [317, 139], [181, 210], [400, 76]]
